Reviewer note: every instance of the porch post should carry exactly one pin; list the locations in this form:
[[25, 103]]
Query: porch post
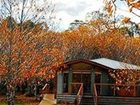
[[59, 82], [69, 80], [138, 90], [92, 78], [104, 90]]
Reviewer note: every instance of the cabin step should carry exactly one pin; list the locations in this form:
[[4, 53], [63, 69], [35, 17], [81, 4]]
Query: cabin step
[[87, 100], [66, 98], [110, 100]]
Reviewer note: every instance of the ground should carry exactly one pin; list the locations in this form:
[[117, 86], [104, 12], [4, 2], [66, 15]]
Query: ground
[[20, 100], [48, 100]]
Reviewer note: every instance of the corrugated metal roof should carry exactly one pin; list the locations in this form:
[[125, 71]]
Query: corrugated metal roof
[[115, 64]]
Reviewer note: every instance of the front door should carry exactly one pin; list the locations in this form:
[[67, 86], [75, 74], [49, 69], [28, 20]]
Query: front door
[[85, 79]]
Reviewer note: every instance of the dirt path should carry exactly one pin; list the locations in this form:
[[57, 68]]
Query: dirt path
[[48, 99]]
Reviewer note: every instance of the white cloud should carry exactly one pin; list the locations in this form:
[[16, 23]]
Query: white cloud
[[70, 10]]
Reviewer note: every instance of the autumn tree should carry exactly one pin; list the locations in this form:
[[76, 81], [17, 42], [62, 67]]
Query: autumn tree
[[84, 42], [76, 23], [28, 56], [79, 44], [115, 45], [23, 55], [132, 28], [133, 6], [23, 10], [100, 34], [126, 49], [99, 22]]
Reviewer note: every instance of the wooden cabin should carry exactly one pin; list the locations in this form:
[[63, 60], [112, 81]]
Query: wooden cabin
[[89, 80]]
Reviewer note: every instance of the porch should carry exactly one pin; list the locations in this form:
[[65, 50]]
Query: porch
[[114, 94], [103, 94]]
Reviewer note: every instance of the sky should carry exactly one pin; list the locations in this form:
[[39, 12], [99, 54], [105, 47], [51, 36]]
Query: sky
[[66, 11], [69, 10]]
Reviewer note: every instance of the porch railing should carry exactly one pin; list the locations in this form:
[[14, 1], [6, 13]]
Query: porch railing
[[95, 95], [78, 88], [116, 93], [116, 89]]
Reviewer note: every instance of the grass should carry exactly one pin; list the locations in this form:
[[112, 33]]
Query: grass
[[15, 104]]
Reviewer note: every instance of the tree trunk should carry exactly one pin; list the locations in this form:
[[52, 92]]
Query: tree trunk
[[35, 90], [10, 95]]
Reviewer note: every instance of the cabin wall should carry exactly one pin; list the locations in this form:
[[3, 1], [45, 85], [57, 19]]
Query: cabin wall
[[82, 68], [105, 79]]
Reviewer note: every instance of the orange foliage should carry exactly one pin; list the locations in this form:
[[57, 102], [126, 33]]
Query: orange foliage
[[126, 20], [38, 54], [136, 5], [81, 43], [110, 8], [26, 55], [132, 5]]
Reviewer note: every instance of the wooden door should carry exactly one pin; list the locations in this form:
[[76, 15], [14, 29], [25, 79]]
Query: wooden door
[[86, 79]]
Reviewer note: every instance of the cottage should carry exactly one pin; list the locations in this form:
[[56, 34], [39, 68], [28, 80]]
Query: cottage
[[88, 82]]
